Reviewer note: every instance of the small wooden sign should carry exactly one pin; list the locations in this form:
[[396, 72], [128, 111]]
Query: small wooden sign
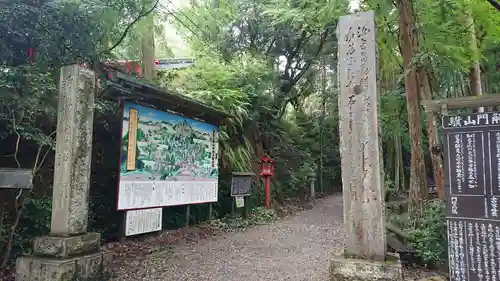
[[241, 183], [16, 178], [132, 138]]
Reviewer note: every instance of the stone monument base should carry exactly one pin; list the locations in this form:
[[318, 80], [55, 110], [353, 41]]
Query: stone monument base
[[347, 269], [31, 268], [66, 247], [62, 258]]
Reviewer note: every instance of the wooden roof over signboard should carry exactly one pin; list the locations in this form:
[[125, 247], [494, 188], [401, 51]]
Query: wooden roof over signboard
[[442, 106], [129, 88]]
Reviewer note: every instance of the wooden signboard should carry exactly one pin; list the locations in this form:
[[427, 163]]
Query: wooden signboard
[[241, 183], [16, 178], [472, 162]]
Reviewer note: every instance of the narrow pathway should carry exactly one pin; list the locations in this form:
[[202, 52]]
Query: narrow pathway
[[296, 248]]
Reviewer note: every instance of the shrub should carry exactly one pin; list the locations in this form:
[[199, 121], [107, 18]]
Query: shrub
[[261, 215], [34, 222], [430, 237]]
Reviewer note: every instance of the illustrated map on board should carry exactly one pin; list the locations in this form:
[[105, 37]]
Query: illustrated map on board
[[167, 159]]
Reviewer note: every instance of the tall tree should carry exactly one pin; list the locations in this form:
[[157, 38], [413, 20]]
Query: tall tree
[[148, 48], [409, 47], [294, 33], [475, 68]]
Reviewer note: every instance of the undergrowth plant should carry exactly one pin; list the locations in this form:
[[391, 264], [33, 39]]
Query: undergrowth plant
[[429, 236], [257, 216]]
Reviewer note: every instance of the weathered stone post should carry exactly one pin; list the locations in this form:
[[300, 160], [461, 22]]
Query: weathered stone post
[[312, 193], [69, 248], [362, 180]]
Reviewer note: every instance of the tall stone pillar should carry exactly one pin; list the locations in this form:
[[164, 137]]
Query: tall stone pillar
[[364, 256], [69, 248]]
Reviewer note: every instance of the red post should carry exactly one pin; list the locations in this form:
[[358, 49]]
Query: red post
[[268, 192]]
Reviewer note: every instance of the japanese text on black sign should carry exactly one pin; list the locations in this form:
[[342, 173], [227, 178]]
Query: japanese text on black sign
[[472, 154]]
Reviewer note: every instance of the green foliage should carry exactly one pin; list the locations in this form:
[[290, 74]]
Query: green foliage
[[430, 238], [293, 34], [258, 61], [237, 73], [236, 88], [295, 162], [65, 32], [257, 216], [34, 222], [239, 77], [261, 215], [22, 90]]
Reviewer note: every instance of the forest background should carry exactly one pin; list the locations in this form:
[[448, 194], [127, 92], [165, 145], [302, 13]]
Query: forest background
[[270, 64]]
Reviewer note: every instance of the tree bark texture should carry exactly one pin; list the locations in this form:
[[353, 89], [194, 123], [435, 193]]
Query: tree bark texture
[[148, 49], [436, 159], [418, 177], [475, 69]]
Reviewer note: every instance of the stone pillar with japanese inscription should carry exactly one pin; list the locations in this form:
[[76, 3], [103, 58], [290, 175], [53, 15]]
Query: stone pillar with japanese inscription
[[69, 248], [361, 154], [73, 151]]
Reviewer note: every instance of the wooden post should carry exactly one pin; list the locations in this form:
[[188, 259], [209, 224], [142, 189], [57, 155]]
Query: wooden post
[[233, 205], [311, 191], [360, 150], [210, 210], [245, 207], [188, 214], [122, 227]]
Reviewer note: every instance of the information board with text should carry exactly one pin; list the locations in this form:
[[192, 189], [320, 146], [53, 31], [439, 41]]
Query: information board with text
[[167, 160], [472, 155]]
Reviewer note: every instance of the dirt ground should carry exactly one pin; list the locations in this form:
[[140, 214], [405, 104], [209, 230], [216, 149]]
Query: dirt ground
[[295, 248]]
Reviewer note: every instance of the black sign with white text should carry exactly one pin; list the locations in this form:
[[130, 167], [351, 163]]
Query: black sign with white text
[[472, 170]]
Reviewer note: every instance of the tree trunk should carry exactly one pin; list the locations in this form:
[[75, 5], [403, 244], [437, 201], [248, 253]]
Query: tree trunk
[[322, 126], [436, 159], [409, 46], [399, 172], [148, 49], [475, 69], [428, 86]]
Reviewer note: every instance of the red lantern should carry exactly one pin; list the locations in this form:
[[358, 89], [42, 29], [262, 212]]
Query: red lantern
[[267, 171], [266, 167]]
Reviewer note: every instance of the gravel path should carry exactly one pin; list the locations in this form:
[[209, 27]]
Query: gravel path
[[296, 248]]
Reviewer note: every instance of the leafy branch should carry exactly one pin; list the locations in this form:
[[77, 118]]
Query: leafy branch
[[495, 4], [141, 15]]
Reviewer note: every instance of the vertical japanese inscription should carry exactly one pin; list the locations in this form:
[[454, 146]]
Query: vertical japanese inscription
[[63, 139], [467, 162], [132, 138], [471, 160], [494, 142], [359, 137], [459, 152], [73, 151], [461, 251], [215, 142]]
